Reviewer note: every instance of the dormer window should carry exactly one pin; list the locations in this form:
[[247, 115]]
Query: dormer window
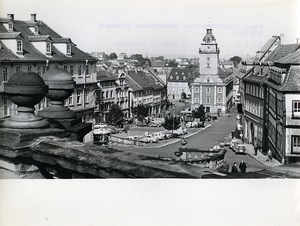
[[36, 30], [48, 48], [68, 49], [10, 26], [19, 46]]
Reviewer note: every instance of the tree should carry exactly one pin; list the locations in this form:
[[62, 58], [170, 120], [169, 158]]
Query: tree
[[115, 116], [113, 56], [141, 111], [168, 124], [199, 113], [236, 60]]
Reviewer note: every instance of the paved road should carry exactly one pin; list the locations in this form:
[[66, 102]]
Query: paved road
[[203, 140]]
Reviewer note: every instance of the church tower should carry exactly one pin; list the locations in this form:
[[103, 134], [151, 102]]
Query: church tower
[[209, 54]]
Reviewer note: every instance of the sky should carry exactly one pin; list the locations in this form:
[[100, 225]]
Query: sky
[[171, 28]]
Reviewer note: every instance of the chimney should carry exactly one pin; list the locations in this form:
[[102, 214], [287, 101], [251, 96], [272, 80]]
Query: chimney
[[33, 17], [298, 40], [11, 16]]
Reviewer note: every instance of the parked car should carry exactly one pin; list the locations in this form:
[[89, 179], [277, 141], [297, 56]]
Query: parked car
[[156, 122], [234, 142], [180, 131], [240, 149], [135, 137], [159, 135], [168, 134], [149, 139]]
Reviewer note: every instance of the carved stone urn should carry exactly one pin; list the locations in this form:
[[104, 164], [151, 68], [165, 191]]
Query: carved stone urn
[[61, 85], [25, 89]]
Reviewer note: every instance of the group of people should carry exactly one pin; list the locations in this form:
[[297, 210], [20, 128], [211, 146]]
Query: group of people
[[242, 166]]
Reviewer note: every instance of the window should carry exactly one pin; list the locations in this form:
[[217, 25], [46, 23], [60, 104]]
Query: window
[[5, 107], [208, 58], [36, 30], [296, 109], [18, 68], [71, 70], [106, 94], [295, 144], [197, 100], [208, 79], [71, 100], [207, 100], [208, 65], [219, 90], [111, 93], [78, 98], [208, 90], [10, 26], [219, 100], [5, 77], [65, 67], [68, 49], [48, 47], [29, 68], [19, 46], [79, 69], [39, 71], [196, 89]]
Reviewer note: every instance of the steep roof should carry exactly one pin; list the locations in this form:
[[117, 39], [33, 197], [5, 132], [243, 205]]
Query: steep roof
[[282, 51], [291, 82], [145, 79], [133, 84], [104, 75], [30, 53], [293, 58], [181, 75]]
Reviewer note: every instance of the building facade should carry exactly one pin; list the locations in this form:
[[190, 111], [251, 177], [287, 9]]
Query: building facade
[[33, 46], [209, 89]]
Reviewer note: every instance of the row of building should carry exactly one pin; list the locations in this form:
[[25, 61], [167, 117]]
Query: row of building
[[270, 99], [33, 46]]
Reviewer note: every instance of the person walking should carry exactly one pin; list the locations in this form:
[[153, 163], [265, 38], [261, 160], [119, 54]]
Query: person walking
[[234, 168], [243, 167], [270, 155]]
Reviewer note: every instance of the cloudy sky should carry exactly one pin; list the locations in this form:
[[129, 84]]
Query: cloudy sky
[[171, 28]]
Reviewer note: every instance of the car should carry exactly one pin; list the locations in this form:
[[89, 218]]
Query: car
[[156, 122], [240, 149], [159, 135], [234, 142], [179, 131], [168, 134], [149, 139]]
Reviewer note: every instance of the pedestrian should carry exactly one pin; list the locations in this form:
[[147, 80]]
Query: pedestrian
[[255, 150], [270, 155], [243, 167], [234, 168]]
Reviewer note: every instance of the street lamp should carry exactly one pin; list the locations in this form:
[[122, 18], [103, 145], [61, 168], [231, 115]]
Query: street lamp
[[173, 109]]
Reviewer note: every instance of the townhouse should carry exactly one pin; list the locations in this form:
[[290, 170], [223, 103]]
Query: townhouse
[[33, 46]]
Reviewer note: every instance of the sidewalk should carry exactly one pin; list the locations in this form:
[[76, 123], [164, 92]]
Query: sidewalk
[[292, 170]]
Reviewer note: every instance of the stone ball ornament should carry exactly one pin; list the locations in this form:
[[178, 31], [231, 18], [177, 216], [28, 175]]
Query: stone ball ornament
[[25, 89], [61, 85]]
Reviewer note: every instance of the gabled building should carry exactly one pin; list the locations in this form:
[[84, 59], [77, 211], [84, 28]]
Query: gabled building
[[33, 46], [146, 88], [209, 88], [178, 82]]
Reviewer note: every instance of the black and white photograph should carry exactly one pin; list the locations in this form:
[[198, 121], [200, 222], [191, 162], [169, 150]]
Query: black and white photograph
[[163, 91]]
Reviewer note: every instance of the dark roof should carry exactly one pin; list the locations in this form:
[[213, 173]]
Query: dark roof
[[181, 75], [282, 51], [145, 79], [30, 53], [268, 44], [37, 38], [104, 75], [133, 84], [255, 78], [9, 35], [223, 73], [293, 58]]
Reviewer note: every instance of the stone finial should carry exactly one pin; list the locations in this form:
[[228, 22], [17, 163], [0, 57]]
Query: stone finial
[[61, 85], [25, 89]]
